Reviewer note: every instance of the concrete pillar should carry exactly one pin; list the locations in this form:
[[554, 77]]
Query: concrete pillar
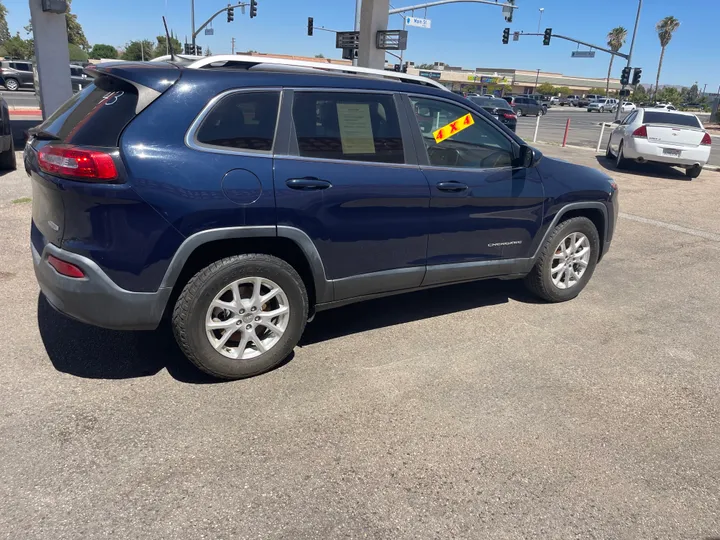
[[373, 17], [52, 58]]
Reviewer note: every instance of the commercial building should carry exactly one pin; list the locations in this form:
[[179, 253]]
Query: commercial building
[[496, 80]]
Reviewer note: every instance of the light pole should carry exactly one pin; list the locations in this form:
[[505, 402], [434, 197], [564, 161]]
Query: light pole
[[540, 19], [629, 59], [536, 81]]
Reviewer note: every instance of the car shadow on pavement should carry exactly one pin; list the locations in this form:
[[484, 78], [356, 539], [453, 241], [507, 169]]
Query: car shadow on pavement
[[87, 351], [653, 170], [408, 307]]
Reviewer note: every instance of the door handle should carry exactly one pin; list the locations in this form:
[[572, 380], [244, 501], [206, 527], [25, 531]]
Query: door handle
[[451, 186], [307, 184]]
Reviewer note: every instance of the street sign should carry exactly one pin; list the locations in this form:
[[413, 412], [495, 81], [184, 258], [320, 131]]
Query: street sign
[[516, 36], [417, 21], [209, 31], [583, 54], [347, 40]]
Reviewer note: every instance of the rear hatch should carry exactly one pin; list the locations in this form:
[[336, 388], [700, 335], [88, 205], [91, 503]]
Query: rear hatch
[[673, 129], [86, 130]]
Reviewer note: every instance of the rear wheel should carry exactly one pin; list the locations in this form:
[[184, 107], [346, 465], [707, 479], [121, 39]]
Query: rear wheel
[[566, 262], [12, 84], [241, 316], [7, 158], [608, 150], [693, 172]]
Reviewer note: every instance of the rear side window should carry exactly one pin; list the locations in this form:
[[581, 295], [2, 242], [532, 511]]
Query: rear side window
[[244, 120], [95, 116], [349, 126], [656, 117]]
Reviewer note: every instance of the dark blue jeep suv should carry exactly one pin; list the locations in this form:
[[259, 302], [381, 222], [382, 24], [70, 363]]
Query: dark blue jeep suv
[[238, 202]]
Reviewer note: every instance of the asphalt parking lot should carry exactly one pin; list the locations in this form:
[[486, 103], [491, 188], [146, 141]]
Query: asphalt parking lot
[[469, 411]]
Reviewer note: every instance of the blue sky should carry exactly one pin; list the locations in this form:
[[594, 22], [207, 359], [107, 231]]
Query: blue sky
[[462, 34]]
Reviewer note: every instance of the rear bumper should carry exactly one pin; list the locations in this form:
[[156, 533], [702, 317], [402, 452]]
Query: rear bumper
[[689, 156], [96, 299]]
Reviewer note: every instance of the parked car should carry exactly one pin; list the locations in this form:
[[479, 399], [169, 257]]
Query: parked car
[[553, 100], [627, 107], [603, 105], [16, 74], [661, 136], [590, 98], [524, 105], [665, 106], [499, 109], [240, 202], [7, 146], [571, 101], [79, 78]]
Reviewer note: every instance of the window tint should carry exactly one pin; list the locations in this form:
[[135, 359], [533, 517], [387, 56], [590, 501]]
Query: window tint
[[95, 116], [629, 119], [22, 66], [245, 120], [656, 117], [479, 145], [352, 126]]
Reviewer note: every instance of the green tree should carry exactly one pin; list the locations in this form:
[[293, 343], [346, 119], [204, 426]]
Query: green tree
[[4, 31], [596, 91], [17, 47], [100, 50], [615, 40], [693, 94], [668, 95], [640, 94], [76, 53], [162, 48], [208, 52], [321, 55], [563, 90], [139, 50], [546, 89], [425, 66], [665, 29]]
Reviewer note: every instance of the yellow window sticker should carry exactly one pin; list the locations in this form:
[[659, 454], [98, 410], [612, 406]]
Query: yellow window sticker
[[453, 127]]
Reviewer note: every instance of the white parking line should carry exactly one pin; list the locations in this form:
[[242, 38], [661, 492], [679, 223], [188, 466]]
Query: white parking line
[[687, 230]]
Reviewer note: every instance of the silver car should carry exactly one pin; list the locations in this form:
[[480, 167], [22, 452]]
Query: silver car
[[602, 105]]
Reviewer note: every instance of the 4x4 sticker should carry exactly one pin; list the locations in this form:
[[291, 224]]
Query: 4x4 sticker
[[453, 127]]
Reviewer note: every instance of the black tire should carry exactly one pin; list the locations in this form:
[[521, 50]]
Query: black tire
[[188, 320], [620, 161], [12, 84], [539, 280], [693, 172], [7, 158], [608, 150]]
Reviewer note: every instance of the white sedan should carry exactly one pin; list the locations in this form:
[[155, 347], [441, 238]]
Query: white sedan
[[627, 107], [661, 136]]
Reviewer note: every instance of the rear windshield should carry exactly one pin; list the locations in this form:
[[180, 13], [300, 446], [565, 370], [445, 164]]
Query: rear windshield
[[657, 117], [95, 116]]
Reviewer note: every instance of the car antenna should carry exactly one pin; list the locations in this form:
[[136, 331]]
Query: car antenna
[[167, 36]]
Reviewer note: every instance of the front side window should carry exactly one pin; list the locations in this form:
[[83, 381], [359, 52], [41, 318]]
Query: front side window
[[243, 120], [453, 141], [347, 126]]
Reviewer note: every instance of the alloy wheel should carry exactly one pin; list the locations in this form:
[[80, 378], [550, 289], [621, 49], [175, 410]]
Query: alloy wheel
[[570, 260], [11, 84], [247, 318]]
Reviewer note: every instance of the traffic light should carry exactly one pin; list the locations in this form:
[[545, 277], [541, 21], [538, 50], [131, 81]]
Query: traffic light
[[253, 8], [310, 26], [636, 76], [231, 14], [198, 50], [405, 67], [625, 77], [187, 49], [546, 36], [506, 36]]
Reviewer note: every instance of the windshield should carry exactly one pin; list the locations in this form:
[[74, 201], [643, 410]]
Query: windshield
[[659, 117], [492, 103]]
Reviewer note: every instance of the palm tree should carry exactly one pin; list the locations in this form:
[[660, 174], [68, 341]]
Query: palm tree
[[665, 29], [615, 40]]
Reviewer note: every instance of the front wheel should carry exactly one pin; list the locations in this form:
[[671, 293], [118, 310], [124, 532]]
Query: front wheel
[[12, 84], [608, 150], [241, 316], [620, 161], [566, 262]]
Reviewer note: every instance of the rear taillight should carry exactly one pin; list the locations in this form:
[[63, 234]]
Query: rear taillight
[[65, 268], [640, 132], [706, 140], [509, 116], [76, 163]]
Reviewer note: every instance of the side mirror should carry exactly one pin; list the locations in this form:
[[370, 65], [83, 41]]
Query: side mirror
[[527, 157]]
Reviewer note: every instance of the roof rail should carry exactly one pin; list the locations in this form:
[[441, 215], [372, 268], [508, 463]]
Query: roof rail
[[241, 60]]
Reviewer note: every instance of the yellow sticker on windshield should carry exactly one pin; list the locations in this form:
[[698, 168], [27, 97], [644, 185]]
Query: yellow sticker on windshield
[[453, 127]]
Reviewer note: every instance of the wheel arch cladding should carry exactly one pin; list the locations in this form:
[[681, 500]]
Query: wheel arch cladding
[[593, 214]]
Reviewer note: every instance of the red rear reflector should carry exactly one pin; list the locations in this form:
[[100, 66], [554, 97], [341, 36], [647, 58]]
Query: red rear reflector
[[76, 163], [509, 116], [65, 268], [640, 132], [706, 139]]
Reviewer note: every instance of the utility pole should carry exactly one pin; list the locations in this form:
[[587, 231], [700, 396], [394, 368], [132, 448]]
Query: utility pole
[[358, 9], [142, 51], [192, 22], [232, 47], [629, 58], [537, 77]]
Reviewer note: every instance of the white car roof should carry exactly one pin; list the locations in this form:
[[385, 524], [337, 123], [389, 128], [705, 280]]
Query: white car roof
[[661, 109]]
